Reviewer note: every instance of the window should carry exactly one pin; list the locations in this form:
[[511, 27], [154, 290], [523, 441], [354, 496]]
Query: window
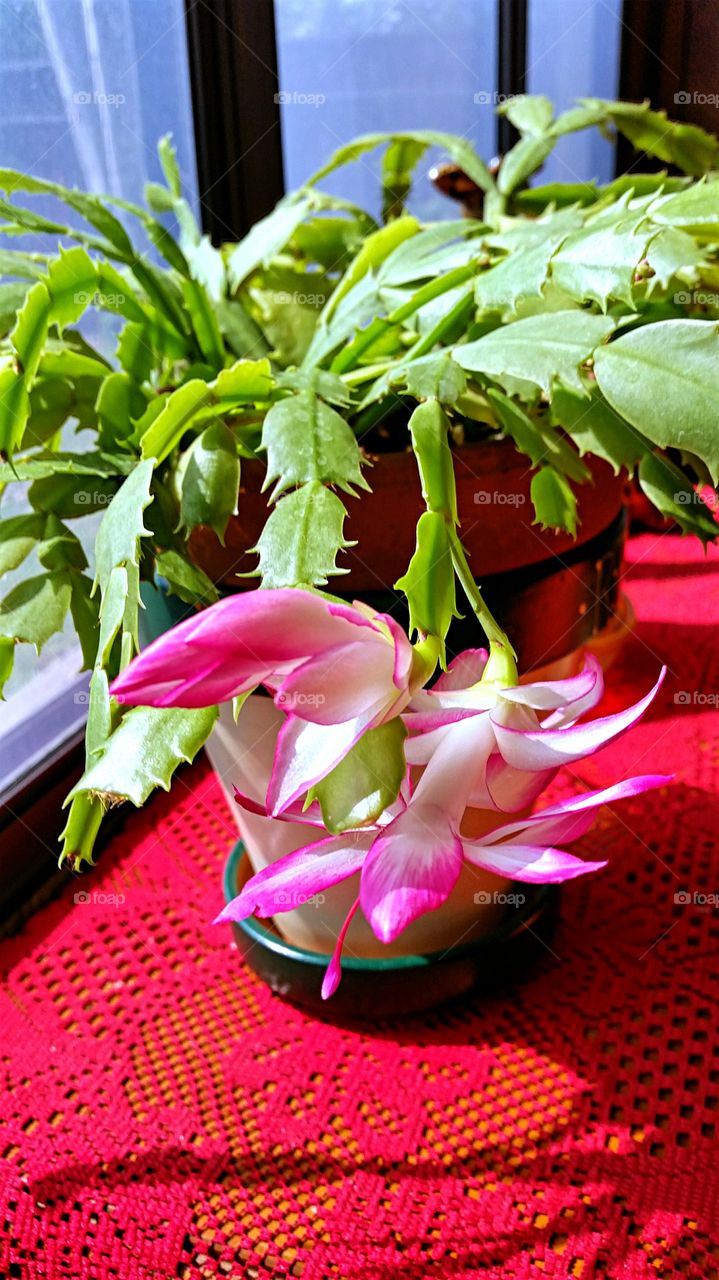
[[573, 52], [347, 68], [87, 88]]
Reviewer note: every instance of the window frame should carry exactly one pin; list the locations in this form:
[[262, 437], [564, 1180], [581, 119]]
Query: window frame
[[512, 27], [31, 819], [232, 50], [674, 55]]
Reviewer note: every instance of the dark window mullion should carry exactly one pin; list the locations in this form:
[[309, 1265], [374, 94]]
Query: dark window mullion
[[233, 73], [511, 62]]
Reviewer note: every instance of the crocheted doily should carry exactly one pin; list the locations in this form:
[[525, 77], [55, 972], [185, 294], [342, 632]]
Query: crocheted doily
[[163, 1115]]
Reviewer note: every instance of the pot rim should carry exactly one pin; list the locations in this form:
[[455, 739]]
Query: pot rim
[[537, 899]]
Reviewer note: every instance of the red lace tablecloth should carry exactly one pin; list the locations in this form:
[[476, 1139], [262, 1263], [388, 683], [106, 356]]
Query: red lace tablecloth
[[164, 1116]]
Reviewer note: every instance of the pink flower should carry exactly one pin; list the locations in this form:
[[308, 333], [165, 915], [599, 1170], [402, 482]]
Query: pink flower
[[336, 670], [483, 746]]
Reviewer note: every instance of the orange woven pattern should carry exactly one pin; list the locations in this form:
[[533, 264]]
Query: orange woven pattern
[[164, 1116]]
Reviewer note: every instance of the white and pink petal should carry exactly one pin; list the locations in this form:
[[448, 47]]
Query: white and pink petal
[[569, 819], [511, 790], [534, 864], [341, 683], [293, 879], [551, 695], [411, 868], [542, 748], [306, 752], [463, 671]]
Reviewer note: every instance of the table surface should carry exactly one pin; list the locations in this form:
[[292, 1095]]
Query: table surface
[[163, 1115]]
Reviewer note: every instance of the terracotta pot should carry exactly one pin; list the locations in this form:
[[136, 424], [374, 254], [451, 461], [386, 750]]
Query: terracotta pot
[[551, 593], [495, 510]]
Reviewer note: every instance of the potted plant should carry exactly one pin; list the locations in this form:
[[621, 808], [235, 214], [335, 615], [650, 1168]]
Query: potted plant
[[570, 334]]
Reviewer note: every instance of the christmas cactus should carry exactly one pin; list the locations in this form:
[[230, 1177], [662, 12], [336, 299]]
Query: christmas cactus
[[573, 320]]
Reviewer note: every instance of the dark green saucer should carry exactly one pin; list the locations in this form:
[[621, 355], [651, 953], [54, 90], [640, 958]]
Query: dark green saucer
[[376, 988]]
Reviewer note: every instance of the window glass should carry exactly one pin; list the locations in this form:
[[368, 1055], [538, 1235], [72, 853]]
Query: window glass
[[573, 52], [362, 66], [87, 88]]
